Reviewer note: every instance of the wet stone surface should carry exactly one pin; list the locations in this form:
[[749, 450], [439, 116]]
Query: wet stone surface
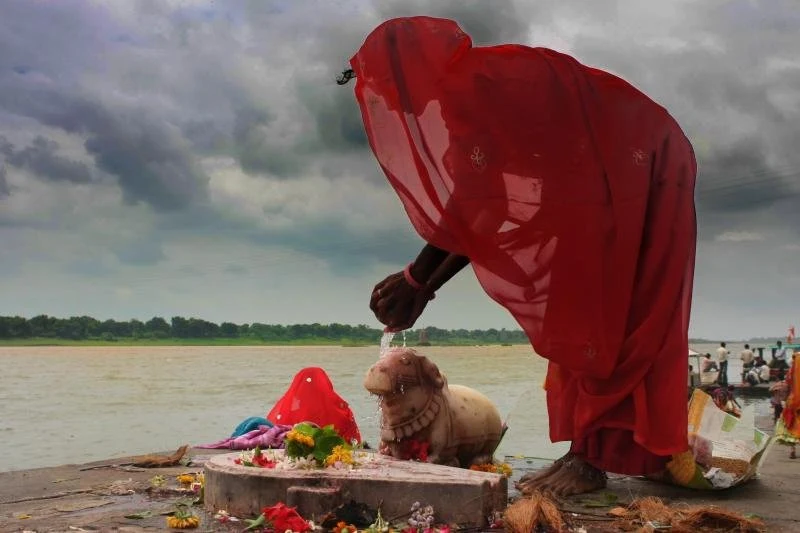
[[30, 499]]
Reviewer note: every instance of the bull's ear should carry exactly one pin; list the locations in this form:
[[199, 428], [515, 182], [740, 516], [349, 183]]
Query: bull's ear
[[431, 372]]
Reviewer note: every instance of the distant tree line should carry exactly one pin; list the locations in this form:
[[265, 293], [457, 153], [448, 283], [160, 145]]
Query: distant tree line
[[88, 328]]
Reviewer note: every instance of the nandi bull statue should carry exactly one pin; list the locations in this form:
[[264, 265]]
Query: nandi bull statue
[[425, 418]]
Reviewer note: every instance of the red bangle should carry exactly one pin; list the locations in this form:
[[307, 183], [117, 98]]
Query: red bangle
[[410, 279]]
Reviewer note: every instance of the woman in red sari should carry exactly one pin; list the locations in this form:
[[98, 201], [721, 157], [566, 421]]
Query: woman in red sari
[[571, 195]]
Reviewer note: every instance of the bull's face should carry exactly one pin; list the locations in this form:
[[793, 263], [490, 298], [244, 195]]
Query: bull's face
[[399, 371]]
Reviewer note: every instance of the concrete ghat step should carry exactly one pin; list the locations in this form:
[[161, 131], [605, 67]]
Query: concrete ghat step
[[457, 495]]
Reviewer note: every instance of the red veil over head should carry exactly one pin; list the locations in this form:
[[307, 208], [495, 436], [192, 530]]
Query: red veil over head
[[572, 194], [311, 398]]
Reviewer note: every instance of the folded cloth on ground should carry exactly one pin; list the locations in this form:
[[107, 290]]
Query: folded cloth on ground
[[262, 437], [249, 424]]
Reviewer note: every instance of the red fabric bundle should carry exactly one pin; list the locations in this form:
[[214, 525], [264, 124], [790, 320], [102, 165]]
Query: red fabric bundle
[[311, 398], [572, 194]]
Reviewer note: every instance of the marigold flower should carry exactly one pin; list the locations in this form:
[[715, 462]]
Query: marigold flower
[[301, 438], [185, 479], [340, 454], [344, 527]]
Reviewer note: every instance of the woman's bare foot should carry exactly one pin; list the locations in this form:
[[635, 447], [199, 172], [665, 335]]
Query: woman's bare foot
[[532, 478], [567, 476]]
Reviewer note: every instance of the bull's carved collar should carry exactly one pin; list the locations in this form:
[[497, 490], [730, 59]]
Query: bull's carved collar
[[408, 427]]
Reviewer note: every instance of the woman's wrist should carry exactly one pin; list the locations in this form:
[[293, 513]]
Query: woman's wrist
[[426, 263], [410, 279]]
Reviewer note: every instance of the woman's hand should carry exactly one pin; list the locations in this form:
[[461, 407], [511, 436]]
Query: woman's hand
[[397, 304]]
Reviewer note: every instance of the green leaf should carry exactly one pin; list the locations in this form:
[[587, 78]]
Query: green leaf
[[325, 444], [609, 499], [306, 429], [139, 516], [295, 449], [594, 504]]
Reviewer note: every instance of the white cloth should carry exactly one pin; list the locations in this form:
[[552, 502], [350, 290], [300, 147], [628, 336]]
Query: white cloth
[[747, 356], [780, 354], [722, 354]]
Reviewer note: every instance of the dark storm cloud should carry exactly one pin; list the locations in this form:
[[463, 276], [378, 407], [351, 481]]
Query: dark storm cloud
[[42, 159], [4, 188], [149, 157], [207, 136], [256, 151], [336, 115], [738, 178], [487, 22], [145, 152], [345, 250]]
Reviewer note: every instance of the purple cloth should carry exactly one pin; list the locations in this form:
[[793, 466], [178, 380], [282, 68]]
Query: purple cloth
[[263, 437]]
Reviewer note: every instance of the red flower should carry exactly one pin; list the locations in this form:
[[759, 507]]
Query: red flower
[[414, 450], [260, 460], [283, 518]]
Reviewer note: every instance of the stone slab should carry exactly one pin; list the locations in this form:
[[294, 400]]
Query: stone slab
[[457, 495]]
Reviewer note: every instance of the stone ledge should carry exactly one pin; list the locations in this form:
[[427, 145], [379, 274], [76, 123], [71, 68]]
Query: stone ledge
[[457, 495]]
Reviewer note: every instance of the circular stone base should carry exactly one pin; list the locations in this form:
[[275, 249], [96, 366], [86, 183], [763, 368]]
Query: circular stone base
[[457, 495]]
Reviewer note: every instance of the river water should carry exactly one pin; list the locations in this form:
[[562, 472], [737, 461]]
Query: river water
[[63, 405]]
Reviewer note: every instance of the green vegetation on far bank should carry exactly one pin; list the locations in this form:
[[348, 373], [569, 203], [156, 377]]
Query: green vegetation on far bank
[[44, 330], [44, 341]]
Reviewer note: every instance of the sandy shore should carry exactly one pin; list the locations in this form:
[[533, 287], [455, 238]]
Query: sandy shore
[[87, 498]]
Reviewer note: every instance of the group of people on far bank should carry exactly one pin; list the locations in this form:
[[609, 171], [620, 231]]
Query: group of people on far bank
[[755, 369]]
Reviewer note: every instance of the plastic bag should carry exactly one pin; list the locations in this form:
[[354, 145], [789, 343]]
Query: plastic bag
[[725, 451]]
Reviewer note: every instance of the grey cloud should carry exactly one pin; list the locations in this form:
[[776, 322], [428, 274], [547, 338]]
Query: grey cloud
[[493, 22], [236, 270], [89, 268], [149, 157], [75, 41], [346, 251], [253, 147], [738, 178], [4, 188], [336, 114], [142, 251], [41, 158], [207, 136]]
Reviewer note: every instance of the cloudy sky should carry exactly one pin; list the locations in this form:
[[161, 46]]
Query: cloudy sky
[[195, 157]]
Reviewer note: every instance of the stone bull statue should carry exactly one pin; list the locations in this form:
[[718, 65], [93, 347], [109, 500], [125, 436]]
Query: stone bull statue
[[459, 425]]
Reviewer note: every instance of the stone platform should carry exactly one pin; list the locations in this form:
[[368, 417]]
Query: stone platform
[[98, 496], [458, 496]]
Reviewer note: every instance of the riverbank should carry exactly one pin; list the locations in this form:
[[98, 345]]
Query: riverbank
[[311, 341], [105, 495]]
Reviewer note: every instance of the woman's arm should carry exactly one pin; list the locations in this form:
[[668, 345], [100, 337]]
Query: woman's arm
[[452, 265], [398, 301]]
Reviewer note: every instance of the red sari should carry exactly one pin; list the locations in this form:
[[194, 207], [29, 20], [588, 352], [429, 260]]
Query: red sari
[[572, 194]]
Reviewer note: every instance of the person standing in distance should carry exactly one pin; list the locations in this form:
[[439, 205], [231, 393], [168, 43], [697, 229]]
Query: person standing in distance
[[722, 359]]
